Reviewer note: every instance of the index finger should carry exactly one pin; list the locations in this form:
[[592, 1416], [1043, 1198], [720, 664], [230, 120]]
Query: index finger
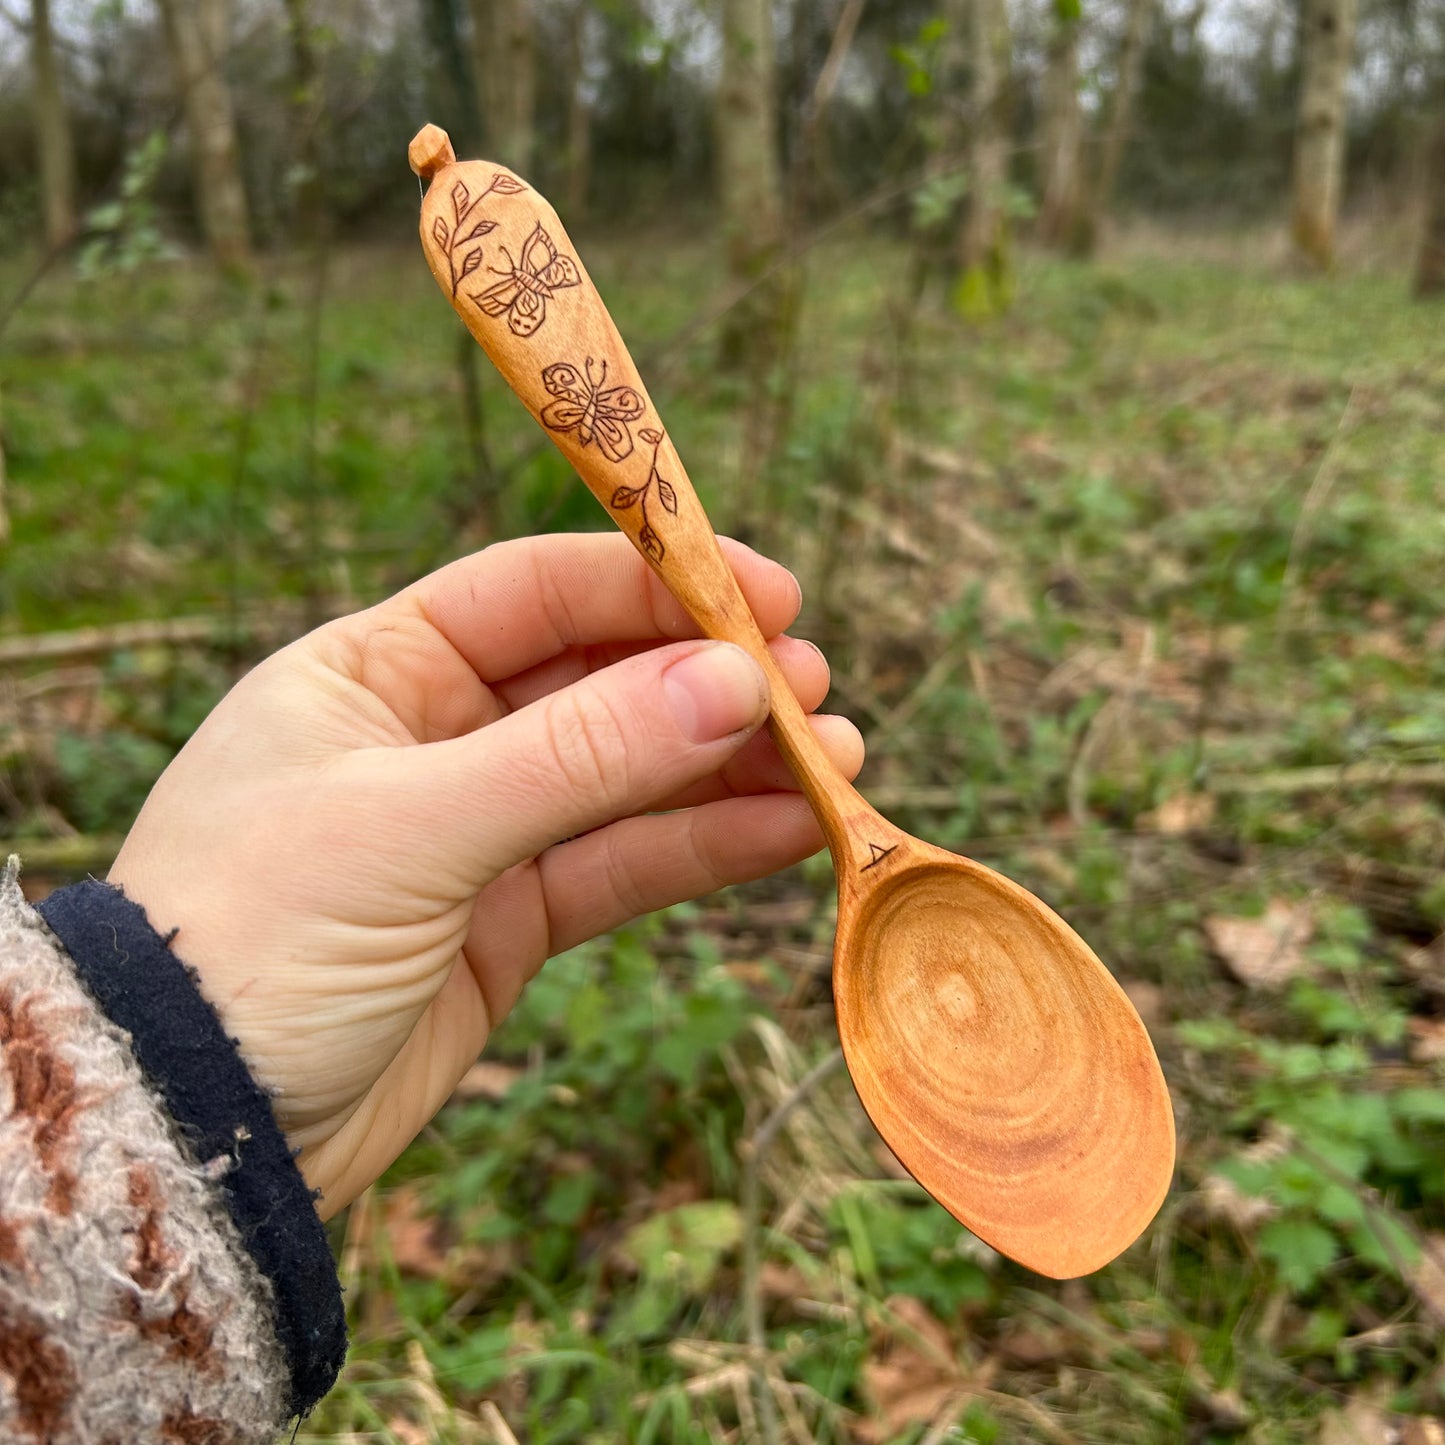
[[516, 604]]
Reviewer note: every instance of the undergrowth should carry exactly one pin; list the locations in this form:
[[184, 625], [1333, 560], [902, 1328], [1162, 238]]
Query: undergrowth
[[1134, 592]]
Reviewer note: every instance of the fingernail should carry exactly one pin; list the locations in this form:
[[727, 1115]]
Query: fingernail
[[715, 691], [797, 591]]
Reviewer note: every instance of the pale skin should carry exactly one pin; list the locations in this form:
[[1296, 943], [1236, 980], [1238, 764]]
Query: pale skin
[[382, 833]]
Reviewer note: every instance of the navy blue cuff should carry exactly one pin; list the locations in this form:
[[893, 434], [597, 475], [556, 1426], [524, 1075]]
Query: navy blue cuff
[[219, 1109]]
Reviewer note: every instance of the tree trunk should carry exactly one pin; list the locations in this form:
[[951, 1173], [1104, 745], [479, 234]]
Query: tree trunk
[[1118, 122], [197, 31], [306, 112], [749, 183], [506, 72], [812, 161], [983, 239], [1063, 137], [4, 509], [579, 117], [1430, 269], [453, 92], [52, 132], [1327, 45]]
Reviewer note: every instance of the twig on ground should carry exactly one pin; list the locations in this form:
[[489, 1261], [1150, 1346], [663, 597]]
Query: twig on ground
[[209, 630], [66, 855], [496, 1422], [1321, 779], [1281, 781]]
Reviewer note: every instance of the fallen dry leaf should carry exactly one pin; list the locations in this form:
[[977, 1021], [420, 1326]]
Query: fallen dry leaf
[[910, 1374], [1361, 1422], [1427, 1277], [1427, 1039], [783, 1281], [1149, 1000], [413, 1235], [1265, 952], [1225, 1408], [671, 1192], [1181, 813], [1223, 1199], [1422, 1430], [1031, 1346], [486, 1080], [912, 1320]]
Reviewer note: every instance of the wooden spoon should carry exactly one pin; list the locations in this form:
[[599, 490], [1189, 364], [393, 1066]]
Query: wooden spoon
[[1004, 1066]]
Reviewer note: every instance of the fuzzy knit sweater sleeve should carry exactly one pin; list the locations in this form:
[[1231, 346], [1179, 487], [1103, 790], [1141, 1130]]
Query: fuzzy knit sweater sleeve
[[163, 1273]]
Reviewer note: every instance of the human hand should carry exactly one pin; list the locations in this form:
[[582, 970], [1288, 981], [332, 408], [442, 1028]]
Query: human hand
[[361, 848]]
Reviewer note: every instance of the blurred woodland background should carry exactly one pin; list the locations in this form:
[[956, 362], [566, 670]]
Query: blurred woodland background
[[1084, 360]]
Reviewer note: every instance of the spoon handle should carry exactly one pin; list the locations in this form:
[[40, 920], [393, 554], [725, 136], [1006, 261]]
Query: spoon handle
[[507, 265]]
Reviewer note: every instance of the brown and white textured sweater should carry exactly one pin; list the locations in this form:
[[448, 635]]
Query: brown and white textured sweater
[[163, 1273]]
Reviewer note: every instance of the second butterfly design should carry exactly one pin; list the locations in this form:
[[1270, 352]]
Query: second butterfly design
[[588, 406]]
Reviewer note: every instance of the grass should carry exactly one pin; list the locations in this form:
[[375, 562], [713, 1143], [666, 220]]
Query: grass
[[1106, 581]]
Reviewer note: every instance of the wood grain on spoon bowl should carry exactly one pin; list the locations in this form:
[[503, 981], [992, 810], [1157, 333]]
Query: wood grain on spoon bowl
[[998, 1058], [1004, 1066]]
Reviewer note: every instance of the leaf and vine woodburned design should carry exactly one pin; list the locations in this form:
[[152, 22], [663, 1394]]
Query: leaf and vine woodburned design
[[451, 239], [625, 498], [528, 283]]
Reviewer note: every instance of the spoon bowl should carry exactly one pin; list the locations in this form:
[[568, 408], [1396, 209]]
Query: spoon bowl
[[1029, 1100], [993, 1051]]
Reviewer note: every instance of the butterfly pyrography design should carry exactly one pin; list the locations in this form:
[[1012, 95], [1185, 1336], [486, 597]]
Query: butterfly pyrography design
[[528, 283], [596, 412]]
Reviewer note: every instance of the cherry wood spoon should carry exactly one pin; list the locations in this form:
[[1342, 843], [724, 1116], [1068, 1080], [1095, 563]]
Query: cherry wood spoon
[[994, 1052]]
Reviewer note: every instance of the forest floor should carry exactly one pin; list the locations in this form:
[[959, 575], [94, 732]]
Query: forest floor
[[1136, 595]]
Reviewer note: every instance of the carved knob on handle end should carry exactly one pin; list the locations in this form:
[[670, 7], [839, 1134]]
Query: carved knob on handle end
[[430, 151]]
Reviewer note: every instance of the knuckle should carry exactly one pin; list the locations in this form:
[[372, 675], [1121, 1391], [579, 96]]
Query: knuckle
[[588, 743], [703, 851], [552, 597], [621, 881]]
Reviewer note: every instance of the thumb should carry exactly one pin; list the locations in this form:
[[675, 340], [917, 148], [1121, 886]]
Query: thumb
[[611, 745]]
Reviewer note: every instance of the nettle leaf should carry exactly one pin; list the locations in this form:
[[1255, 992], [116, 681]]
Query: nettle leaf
[[1420, 1105], [440, 231], [651, 436], [1385, 1242], [668, 495], [1253, 1176], [460, 196], [1339, 1205], [472, 262], [1301, 1250], [685, 1245], [568, 1198], [586, 1018], [506, 185], [625, 497]]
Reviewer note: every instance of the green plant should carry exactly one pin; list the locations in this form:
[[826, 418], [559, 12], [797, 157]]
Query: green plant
[[104, 779], [124, 234], [1342, 1159]]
